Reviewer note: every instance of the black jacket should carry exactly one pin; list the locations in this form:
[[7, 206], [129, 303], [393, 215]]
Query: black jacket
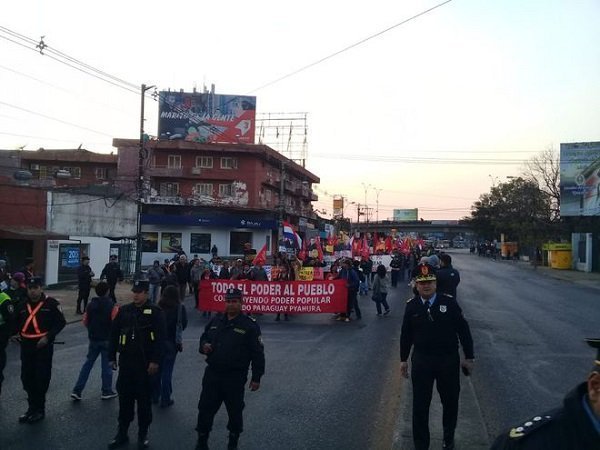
[[138, 334], [565, 428], [436, 333], [99, 319], [235, 344], [84, 276], [49, 318], [447, 280], [112, 273]]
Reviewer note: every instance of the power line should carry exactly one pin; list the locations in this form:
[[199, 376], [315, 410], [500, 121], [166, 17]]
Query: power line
[[54, 118], [345, 49]]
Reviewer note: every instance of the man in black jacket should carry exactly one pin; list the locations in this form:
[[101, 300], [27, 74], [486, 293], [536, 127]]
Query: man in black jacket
[[432, 326], [447, 276], [97, 319], [137, 334], [231, 342], [112, 273], [575, 425], [84, 278]]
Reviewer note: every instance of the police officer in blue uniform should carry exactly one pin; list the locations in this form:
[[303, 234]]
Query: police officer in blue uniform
[[575, 425], [137, 334], [432, 326], [230, 341]]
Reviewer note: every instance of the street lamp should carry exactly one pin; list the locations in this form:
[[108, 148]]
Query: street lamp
[[140, 185], [366, 188], [377, 192]]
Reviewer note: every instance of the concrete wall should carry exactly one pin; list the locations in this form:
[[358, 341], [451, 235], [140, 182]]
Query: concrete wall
[[87, 215]]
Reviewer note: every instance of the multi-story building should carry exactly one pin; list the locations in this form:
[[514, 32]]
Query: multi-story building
[[196, 196]]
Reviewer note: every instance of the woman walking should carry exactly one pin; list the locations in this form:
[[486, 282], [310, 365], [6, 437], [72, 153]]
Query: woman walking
[[176, 320], [380, 290]]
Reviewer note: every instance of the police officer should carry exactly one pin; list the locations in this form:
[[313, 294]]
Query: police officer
[[230, 342], [84, 277], [137, 334], [447, 276], [37, 320], [112, 273], [6, 324], [575, 425], [432, 326]]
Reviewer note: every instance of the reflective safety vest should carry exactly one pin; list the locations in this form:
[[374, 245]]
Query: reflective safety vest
[[31, 330], [4, 298]]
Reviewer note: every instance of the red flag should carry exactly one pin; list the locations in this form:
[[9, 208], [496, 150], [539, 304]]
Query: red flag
[[375, 241], [261, 256], [388, 244], [364, 251], [356, 246], [302, 253], [319, 249]]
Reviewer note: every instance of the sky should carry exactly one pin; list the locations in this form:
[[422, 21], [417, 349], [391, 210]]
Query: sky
[[429, 114]]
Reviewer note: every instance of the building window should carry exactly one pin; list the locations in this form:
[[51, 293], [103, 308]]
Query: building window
[[204, 189], [200, 243], [229, 163], [74, 171], [101, 173], [174, 162], [269, 195], [168, 189], [204, 162], [225, 190], [237, 239]]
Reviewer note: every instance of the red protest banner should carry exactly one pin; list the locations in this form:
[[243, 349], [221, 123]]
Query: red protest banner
[[292, 297]]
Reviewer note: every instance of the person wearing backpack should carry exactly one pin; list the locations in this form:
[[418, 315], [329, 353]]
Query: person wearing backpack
[[98, 318], [176, 320]]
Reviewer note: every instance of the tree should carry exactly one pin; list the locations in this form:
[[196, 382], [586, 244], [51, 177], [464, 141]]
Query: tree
[[544, 169], [518, 208]]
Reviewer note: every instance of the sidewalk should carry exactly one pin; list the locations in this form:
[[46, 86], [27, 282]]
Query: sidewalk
[[67, 296]]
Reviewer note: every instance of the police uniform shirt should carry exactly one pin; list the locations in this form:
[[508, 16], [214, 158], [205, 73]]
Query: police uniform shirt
[[568, 427], [235, 343], [49, 318], [434, 330], [138, 334]]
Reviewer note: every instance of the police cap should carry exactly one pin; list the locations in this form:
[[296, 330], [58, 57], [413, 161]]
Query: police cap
[[140, 286], [233, 294], [595, 343], [425, 272], [35, 282]]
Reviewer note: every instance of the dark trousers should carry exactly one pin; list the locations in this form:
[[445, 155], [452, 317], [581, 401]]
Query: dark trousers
[[162, 382], [382, 300], [219, 387], [395, 274], [36, 371], [3, 344], [83, 296], [111, 290], [444, 370], [133, 385], [353, 303]]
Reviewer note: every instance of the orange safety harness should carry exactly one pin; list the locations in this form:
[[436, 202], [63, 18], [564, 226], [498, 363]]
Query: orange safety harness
[[32, 320]]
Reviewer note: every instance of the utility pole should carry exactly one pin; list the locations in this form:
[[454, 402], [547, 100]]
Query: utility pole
[[281, 202], [377, 192], [366, 188], [140, 185]]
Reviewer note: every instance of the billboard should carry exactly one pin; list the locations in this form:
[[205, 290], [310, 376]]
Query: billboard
[[580, 179], [338, 207], [406, 215], [207, 117]]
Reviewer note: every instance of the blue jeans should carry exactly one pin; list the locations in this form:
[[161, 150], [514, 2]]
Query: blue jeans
[[162, 386], [95, 348], [153, 293]]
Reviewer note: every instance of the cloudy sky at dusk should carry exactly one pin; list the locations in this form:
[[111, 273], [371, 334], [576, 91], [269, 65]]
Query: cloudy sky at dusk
[[428, 114]]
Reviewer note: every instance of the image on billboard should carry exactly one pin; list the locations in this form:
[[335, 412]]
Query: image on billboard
[[406, 215], [207, 117], [580, 179]]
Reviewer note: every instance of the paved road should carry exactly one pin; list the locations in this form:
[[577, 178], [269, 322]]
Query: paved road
[[327, 386]]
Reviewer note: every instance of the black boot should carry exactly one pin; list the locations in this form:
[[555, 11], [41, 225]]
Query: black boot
[[143, 438], [202, 443], [233, 441], [120, 439]]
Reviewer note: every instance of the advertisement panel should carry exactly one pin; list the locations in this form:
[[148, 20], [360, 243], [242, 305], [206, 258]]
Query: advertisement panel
[[338, 207], [406, 215], [580, 179], [207, 117], [292, 297]]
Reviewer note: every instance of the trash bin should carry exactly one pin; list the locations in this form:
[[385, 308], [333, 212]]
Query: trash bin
[[560, 256]]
